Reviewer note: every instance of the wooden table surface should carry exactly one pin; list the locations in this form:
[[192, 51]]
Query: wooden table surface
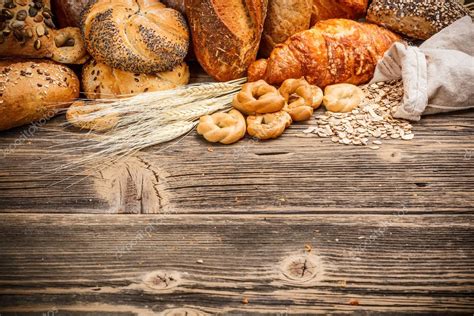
[[294, 225]]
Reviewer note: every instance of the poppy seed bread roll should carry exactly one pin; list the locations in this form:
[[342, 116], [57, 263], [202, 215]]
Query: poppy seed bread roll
[[140, 36]]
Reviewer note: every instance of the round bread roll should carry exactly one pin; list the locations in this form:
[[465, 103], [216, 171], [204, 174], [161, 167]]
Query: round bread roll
[[140, 36], [68, 12], [100, 81], [32, 90], [342, 97]]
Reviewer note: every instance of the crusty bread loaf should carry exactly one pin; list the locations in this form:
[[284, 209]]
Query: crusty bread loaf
[[282, 22], [176, 4], [226, 34], [100, 81], [31, 90], [345, 9], [418, 19], [333, 51], [137, 36], [68, 12], [27, 31]]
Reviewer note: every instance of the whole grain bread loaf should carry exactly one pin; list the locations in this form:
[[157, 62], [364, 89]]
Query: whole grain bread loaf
[[418, 19], [226, 34]]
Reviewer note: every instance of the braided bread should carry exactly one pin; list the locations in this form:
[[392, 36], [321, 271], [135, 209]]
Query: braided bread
[[27, 31], [270, 125], [140, 36], [301, 98], [258, 97], [226, 128], [342, 97]]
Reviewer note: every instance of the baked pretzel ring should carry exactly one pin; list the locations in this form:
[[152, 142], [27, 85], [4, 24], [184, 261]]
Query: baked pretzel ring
[[301, 98], [270, 125], [258, 98], [226, 128], [342, 97]]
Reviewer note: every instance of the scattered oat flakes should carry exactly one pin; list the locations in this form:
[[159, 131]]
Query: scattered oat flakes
[[245, 300], [308, 248], [353, 302], [200, 261], [210, 149]]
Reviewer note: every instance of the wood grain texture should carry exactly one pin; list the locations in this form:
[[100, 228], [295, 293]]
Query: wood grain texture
[[147, 264], [294, 173]]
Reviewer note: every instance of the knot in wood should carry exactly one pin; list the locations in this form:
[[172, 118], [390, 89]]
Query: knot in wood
[[162, 280], [300, 268]]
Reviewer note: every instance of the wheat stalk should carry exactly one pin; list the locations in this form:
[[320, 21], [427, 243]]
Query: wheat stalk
[[144, 120]]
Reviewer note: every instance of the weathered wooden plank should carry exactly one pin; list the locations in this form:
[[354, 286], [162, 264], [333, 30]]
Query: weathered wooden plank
[[150, 263], [295, 173]]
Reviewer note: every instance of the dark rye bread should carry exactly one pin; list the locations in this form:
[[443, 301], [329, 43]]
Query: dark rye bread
[[226, 34], [140, 37], [418, 19]]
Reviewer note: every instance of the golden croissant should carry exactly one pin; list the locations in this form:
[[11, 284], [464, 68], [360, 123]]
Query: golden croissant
[[333, 51]]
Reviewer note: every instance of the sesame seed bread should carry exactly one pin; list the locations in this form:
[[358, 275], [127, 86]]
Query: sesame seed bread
[[418, 19], [226, 34], [100, 81], [31, 90], [140, 36], [27, 31], [281, 23]]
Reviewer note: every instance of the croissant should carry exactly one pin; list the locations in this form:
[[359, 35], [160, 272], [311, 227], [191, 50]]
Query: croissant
[[333, 51]]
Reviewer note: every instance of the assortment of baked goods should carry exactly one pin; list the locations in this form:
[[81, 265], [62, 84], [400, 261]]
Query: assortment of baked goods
[[100, 81], [333, 51], [418, 19], [140, 46], [32, 90], [27, 31], [135, 36]]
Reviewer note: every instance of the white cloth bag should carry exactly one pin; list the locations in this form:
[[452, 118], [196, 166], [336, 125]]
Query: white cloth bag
[[438, 76]]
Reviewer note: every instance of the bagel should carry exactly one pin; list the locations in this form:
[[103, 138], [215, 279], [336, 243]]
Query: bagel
[[258, 98], [225, 128], [342, 97], [267, 126], [301, 98]]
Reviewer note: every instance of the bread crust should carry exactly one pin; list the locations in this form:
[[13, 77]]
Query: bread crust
[[49, 86], [140, 36], [331, 9], [226, 34], [281, 22], [333, 51], [68, 12]]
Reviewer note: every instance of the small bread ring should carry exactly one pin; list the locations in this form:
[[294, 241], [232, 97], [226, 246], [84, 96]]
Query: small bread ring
[[226, 128], [270, 125], [301, 97], [342, 97], [258, 98]]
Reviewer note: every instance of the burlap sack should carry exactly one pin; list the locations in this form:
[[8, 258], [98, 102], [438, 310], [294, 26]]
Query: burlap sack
[[438, 76]]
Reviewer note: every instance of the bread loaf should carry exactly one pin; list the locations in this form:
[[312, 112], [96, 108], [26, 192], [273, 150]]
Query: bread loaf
[[281, 22], [418, 19], [27, 31], [345, 9], [226, 34], [31, 90], [137, 36], [333, 51], [100, 81], [178, 5], [68, 12]]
